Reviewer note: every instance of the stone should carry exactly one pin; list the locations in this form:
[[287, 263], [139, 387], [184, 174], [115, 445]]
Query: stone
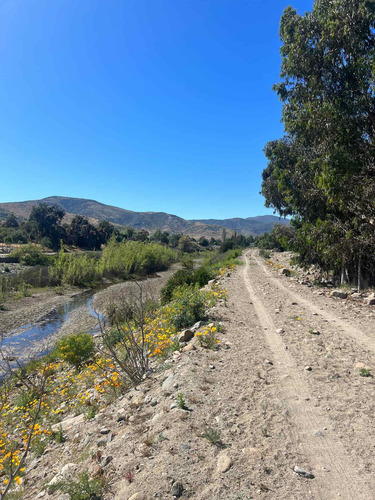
[[101, 442], [185, 336], [177, 489], [279, 330], [286, 272], [303, 473], [68, 423], [105, 430], [308, 368], [318, 434], [107, 460], [189, 347], [198, 325], [268, 362], [224, 463], [339, 294], [167, 385], [371, 301], [315, 332]]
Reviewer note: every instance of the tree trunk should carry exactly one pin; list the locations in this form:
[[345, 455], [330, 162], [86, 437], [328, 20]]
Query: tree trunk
[[359, 274]]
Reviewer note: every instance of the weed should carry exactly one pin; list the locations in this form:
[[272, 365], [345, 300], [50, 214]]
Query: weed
[[83, 489], [265, 432], [60, 436], [91, 412], [129, 476], [365, 372], [181, 401], [161, 437], [213, 436]]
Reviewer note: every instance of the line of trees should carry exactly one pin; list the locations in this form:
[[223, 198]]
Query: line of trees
[[45, 226], [322, 172]]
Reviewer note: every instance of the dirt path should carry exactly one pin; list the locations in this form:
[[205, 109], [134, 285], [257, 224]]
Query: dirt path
[[327, 455]]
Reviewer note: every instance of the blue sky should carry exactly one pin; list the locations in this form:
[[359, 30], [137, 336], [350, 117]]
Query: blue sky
[[150, 105]]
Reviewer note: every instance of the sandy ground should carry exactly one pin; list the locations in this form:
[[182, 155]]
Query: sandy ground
[[270, 411]]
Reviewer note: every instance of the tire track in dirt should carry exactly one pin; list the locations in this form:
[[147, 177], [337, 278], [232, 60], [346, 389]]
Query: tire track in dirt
[[348, 329], [336, 475]]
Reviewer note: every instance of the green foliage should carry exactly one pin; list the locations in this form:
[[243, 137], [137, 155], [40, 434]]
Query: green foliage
[[84, 488], [189, 306], [179, 278], [321, 172], [75, 269], [134, 258], [59, 435], [365, 372], [181, 403], [213, 436], [76, 349], [265, 254], [29, 255]]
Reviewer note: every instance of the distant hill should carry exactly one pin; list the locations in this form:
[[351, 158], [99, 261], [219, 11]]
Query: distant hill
[[150, 221], [249, 226]]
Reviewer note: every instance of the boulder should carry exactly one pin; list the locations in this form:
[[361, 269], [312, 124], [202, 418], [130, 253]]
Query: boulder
[[339, 294], [185, 336], [286, 272], [224, 463], [68, 423]]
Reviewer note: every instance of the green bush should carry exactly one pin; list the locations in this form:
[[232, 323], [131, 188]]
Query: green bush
[[179, 278], [29, 255], [75, 269], [76, 349], [188, 306], [84, 488], [134, 258], [203, 275]]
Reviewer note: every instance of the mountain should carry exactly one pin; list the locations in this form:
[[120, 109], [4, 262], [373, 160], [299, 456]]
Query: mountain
[[249, 226], [149, 221], [95, 211]]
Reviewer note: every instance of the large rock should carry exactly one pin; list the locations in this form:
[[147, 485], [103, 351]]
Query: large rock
[[339, 294], [168, 383], [68, 423], [286, 272], [185, 336]]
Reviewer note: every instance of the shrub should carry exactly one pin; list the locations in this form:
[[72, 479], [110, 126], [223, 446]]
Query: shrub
[[188, 306], [75, 269], [29, 255], [179, 278], [134, 257], [83, 489], [203, 275], [76, 349]]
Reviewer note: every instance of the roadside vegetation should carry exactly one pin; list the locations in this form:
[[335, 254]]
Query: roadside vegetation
[[321, 173], [81, 376]]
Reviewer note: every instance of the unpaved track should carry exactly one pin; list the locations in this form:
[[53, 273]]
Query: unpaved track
[[338, 474]]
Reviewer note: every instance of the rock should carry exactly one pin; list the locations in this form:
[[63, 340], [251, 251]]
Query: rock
[[189, 347], [303, 473], [211, 282], [173, 405], [68, 423], [167, 385], [279, 330], [318, 434], [308, 368], [268, 362], [286, 272], [339, 294], [177, 489], [315, 332], [371, 301], [107, 460], [224, 463], [198, 325], [105, 430], [185, 336], [101, 442]]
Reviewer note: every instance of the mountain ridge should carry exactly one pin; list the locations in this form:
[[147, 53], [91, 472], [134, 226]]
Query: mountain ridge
[[150, 221]]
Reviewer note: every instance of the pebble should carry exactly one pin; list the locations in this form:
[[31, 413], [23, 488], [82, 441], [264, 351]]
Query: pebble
[[279, 330], [308, 368], [177, 489], [224, 463], [105, 430], [303, 473]]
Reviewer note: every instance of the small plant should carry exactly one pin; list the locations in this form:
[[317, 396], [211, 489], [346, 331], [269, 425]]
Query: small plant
[[161, 437], [85, 488], [91, 412], [76, 349], [265, 254], [213, 436], [6, 269], [265, 432], [181, 401], [129, 476], [60, 436], [365, 372], [207, 337]]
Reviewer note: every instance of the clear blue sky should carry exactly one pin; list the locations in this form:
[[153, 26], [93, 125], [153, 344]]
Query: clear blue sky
[[150, 105]]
